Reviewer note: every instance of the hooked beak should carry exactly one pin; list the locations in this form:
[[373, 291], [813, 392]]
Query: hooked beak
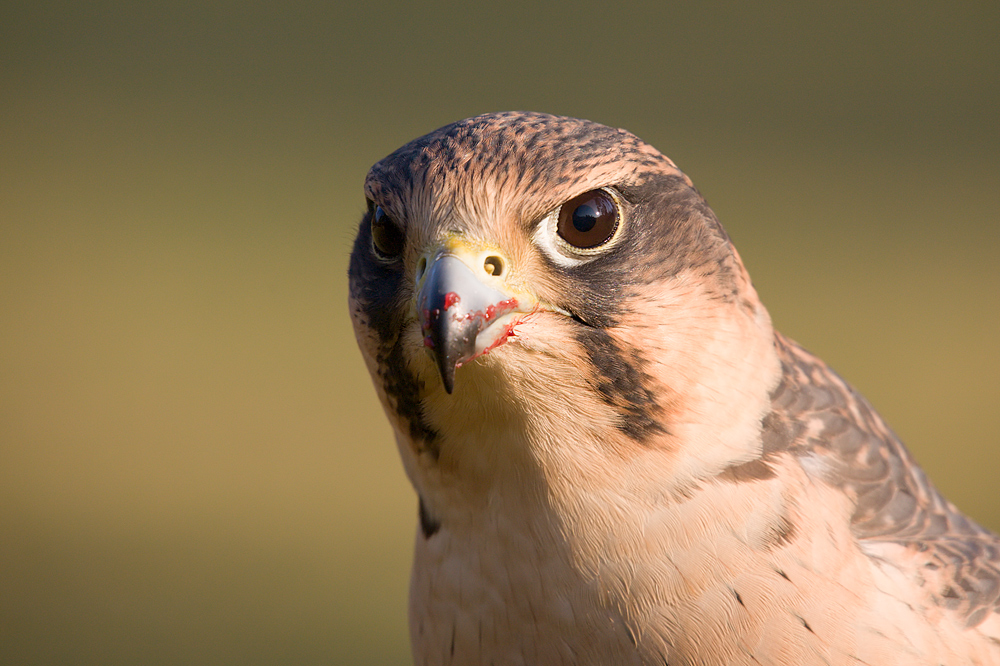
[[461, 315]]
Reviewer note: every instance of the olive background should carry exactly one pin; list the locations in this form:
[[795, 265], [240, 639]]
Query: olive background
[[194, 468]]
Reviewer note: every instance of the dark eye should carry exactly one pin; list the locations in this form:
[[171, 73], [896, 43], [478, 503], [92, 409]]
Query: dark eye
[[589, 220], [387, 237]]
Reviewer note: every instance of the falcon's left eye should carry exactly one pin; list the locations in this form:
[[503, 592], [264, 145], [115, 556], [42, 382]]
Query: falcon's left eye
[[589, 220], [584, 227]]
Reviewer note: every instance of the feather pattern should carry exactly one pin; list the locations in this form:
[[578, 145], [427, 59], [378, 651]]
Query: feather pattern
[[636, 468]]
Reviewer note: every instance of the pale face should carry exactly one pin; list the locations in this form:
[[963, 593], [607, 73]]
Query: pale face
[[551, 263]]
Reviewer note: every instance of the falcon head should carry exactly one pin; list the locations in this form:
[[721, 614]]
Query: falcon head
[[540, 298]]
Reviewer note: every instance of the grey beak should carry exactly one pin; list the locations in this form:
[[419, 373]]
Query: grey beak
[[454, 306]]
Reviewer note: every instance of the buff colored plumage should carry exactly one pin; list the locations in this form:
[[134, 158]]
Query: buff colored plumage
[[618, 460]]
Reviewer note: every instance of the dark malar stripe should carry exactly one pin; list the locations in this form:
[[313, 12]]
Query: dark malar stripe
[[404, 389], [622, 384], [375, 287]]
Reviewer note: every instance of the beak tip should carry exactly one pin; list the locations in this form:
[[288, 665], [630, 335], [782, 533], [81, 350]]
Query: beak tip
[[445, 368], [447, 372]]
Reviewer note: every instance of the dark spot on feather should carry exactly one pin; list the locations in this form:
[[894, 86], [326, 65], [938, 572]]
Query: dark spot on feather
[[429, 525], [739, 599], [631, 635], [783, 575], [754, 470], [775, 434], [779, 532]]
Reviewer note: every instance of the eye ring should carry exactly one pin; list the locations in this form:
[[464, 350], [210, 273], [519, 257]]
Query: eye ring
[[585, 226], [388, 240]]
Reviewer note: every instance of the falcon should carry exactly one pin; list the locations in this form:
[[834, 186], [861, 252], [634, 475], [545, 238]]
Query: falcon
[[618, 459]]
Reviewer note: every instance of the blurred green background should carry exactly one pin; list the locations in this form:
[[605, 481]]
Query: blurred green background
[[193, 465]]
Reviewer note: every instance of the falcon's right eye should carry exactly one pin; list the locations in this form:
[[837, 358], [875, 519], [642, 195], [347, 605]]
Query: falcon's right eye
[[583, 228], [387, 237]]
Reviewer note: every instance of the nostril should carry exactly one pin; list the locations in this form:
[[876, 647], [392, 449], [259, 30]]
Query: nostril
[[493, 265], [421, 267]]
